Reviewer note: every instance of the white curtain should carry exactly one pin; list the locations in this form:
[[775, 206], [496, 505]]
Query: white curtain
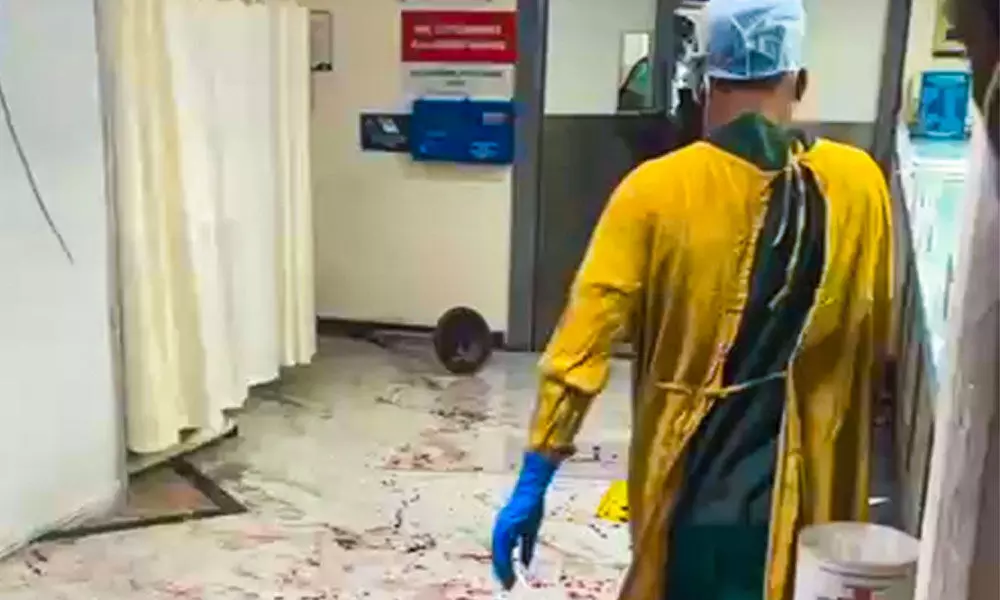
[[212, 186]]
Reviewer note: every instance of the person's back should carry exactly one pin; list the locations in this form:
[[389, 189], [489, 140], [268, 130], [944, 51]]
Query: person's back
[[753, 272], [755, 304], [707, 225], [751, 303]]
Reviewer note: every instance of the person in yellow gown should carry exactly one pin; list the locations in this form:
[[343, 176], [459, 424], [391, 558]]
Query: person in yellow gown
[[752, 271]]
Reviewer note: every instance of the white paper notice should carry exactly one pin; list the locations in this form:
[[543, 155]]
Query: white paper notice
[[478, 81]]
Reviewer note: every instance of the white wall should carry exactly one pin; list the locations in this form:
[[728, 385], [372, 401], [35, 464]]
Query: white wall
[[585, 50], [396, 241], [844, 58], [59, 441]]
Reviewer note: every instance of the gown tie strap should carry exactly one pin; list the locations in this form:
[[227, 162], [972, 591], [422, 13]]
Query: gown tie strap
[[719, 391]]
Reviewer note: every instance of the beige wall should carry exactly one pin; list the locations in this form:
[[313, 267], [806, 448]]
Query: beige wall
[[396, 241], [920, 47]]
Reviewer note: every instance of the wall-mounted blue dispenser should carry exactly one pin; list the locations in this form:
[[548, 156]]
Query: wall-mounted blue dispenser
[[462, 131], [944, 105]]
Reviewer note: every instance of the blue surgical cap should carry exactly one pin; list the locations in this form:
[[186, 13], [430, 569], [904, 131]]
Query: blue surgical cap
[[754, 39]]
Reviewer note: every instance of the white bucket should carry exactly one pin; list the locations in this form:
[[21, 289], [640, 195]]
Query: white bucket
[[855, 561]]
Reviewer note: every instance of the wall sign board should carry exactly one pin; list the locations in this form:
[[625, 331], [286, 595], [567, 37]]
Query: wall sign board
[[459, 36], [460, 80], [383, 132]]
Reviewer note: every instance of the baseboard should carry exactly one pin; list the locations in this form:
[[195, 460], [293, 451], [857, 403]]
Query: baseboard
[[95, 508], [364, 329]]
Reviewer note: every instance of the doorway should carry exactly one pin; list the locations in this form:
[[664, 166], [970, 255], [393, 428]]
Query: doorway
[[600, 122]]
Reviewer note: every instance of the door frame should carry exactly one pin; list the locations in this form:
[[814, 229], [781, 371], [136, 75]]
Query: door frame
[[103, 15], [890, 97], [529, 95]]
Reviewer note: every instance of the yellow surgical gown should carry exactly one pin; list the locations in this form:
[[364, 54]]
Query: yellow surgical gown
[[670, 262]]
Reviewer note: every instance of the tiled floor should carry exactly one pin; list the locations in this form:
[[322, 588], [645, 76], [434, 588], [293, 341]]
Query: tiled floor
[[370, 475]]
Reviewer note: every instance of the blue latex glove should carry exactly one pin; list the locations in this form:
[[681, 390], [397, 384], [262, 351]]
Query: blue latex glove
[[519, 521]]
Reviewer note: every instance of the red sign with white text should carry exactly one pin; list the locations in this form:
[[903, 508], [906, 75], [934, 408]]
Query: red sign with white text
[[459, 36]]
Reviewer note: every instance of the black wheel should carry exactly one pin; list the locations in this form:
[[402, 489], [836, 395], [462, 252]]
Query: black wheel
[[462, 341]]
